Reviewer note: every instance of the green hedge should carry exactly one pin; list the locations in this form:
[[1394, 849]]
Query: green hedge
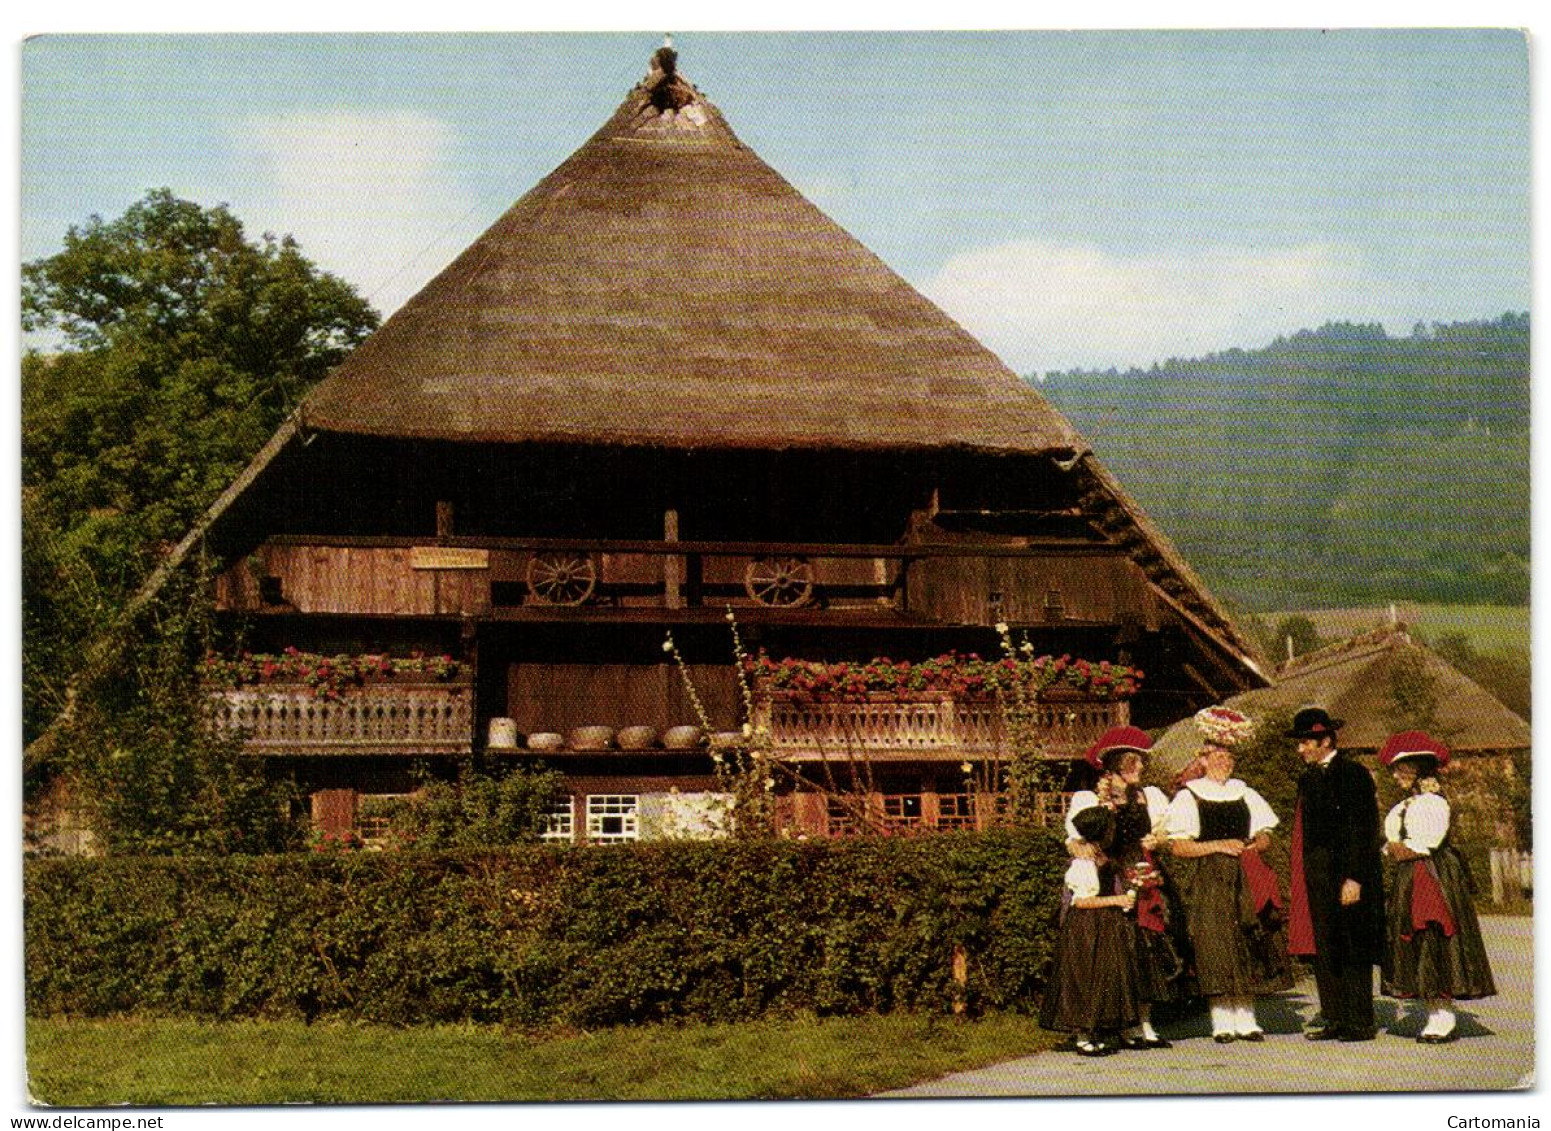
[[548, 935]]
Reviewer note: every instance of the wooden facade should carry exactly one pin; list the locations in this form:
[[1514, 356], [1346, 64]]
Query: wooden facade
[[543, 472]]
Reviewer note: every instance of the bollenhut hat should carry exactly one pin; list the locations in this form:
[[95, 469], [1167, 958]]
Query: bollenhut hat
[[1117, 738], [1314, 722], [1413, 744], [1225, 727]]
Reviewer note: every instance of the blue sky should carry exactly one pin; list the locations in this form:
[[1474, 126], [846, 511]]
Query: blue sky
[[1073, 198]]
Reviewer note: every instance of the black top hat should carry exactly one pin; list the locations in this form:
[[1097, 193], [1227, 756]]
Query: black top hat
[[1314, 722]]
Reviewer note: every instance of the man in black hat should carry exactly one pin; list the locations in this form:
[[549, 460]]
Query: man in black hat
[[1337, 918]]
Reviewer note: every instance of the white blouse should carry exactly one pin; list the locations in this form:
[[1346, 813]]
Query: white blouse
[[1082, 879], [1157, 809], [1185, 819], [1425, 820]]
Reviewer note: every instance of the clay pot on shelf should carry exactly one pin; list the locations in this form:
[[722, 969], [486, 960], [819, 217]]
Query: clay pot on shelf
[[682, 738], [591, 738], [503, 734], [546, 741], [636, 738]]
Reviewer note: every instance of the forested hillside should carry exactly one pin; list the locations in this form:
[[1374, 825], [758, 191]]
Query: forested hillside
[[1337, 466]]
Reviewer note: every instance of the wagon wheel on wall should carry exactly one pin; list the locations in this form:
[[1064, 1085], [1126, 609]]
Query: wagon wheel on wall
[[782, 583], [562, 577]]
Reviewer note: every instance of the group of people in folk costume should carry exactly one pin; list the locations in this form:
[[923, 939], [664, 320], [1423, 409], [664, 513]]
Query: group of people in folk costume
[[1136, 932]]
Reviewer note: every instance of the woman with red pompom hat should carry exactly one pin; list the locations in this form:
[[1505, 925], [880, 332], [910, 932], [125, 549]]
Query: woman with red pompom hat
[[1434, 952]]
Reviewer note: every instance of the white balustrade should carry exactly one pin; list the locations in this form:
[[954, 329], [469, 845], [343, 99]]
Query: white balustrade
[[389, 718], [800, 726]]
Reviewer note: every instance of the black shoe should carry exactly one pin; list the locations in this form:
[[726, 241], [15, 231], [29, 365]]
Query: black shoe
[[1359, 1035], [1255, 1035], [1438, 1038], [1095, 1048], [1322, 1033], [1156, 1043], [1224, 1038]]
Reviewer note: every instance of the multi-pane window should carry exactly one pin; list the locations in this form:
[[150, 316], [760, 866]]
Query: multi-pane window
[[901, 810], [612, 816], [560, 821], [841, 818], [956, 811]]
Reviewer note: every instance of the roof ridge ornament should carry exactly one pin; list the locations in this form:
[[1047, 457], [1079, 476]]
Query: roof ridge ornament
[[666, 88]]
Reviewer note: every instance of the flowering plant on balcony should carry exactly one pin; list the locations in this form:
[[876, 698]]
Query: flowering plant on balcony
[[328, 676], [955, 675]]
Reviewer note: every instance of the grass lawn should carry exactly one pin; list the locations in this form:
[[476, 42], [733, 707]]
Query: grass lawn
[[163, 1063], [1489, 627]]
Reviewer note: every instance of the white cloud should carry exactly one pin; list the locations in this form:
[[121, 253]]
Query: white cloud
[[371, 196], [1044, 306]]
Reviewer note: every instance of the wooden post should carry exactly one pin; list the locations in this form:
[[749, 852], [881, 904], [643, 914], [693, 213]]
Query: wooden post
[[468, 638], [931, 806], [960, 976], [443, 519], [672, 564]]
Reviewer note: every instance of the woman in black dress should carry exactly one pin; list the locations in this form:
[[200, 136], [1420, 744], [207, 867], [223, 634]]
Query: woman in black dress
[[1233, 908], [1434, 953]]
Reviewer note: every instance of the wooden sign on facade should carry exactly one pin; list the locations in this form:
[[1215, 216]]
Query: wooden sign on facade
[[448, 557]]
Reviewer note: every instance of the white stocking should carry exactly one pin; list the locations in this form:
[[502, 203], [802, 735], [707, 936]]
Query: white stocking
[[1222, 1014], [1148, 1032]]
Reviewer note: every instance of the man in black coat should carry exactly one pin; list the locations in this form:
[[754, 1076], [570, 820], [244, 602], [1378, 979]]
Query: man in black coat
[[1337, 918]]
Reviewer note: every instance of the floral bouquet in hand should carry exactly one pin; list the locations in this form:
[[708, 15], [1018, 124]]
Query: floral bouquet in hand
[[1143, 876]]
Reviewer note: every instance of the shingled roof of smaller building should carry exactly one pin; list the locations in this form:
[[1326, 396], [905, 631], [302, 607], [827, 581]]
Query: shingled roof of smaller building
[[1352, 680], [665, 287]]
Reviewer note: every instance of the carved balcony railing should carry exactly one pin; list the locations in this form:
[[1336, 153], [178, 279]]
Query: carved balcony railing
[[944, 728], [375, 718]]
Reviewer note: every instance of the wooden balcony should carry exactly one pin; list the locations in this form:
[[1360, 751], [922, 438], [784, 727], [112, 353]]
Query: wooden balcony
[[375, 718], [927, 729], [1068, 581]]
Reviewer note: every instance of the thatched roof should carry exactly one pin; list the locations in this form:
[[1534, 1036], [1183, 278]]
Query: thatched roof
[[1353, 680], [666, 287]]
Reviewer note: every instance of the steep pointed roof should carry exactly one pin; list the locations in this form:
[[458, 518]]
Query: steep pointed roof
[[666, 287], [1352, 680]]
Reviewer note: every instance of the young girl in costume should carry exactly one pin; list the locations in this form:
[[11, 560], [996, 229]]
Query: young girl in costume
[[1093, 990], [1434, 951]]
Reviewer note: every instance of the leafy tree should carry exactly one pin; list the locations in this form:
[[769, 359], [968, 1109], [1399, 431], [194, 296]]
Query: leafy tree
[[185, 345], [1301, 631], [151, 775]]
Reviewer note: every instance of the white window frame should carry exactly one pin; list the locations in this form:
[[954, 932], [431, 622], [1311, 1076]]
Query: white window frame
[[560, 821], [604, 806]]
